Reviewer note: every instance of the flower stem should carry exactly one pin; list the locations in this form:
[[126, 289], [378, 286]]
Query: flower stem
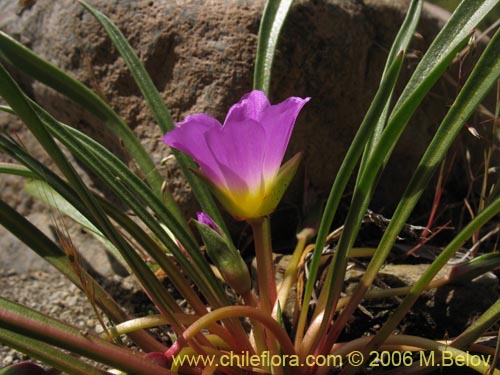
[[242, 311], [360, 344], [50, 331], [291, 271], [258, 330], [265, 267], [151, 321]]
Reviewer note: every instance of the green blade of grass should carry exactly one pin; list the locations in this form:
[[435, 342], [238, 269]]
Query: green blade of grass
[[480, 220], [133, 191], [42, 191], [476, 87], [120, 180], [151, 246], [212, 289], [401, 43], [42, 188], [443, 49], [270, 27], [63, 196], [365, 137], [479, 83], [22, 320], [52, 253], [342, 179], [61, 187], [16, 170], [12, 94], [476, 329], [139, 200], [47, 354], [26, 61], [439, 55], [160, 112]]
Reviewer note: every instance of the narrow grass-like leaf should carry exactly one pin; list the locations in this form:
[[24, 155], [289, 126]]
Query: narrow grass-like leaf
[[342, 179], [43, 192], [475, 89], [47, 354], [13, 95], [11, 92], [28, 62], [16, 170], [81, 214], [476, 329], [160, 112], [138, 234], [440, 54], [458, 29], [164, 262], [48, 250], [368, 134], [128, 186], [480, 220], [133, 191], [401, 43], [22, 320], [138, 199], [271, 24]]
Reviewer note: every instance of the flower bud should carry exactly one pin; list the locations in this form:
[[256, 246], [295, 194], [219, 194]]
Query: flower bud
[[224, 255]]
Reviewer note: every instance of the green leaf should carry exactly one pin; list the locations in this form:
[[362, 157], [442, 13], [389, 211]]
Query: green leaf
[[480, 220], [45, 353], [45, 193], [135, 193], [226, 258], [468, 270], [24, 109], [401, 43], [52, 253], [28, 62], [22, 320], [134, 230], [343, 175], [159, 111], [477, 329], [441, 52], [479, 83], [271, 24], [16, 169]]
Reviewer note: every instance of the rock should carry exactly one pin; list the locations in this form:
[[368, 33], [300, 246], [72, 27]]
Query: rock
[[51, 293], [200, 55], [445, 311], [17, 258], [438, 313]]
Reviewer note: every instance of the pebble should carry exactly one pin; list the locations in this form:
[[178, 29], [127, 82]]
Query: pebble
[[49, 293]]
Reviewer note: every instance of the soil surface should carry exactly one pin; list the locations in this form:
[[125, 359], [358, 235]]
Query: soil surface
[[51, 293]]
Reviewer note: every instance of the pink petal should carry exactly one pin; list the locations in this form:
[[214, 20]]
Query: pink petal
[[238, 148], [278, 121], [251, 106], [203, 218], [190, 137]]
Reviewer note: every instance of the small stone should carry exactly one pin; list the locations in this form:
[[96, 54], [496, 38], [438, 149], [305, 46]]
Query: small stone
[[8, 359]]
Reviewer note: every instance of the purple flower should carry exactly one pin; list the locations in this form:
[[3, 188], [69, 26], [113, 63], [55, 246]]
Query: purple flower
[[241, 159], [223, 254], [203, 218]]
